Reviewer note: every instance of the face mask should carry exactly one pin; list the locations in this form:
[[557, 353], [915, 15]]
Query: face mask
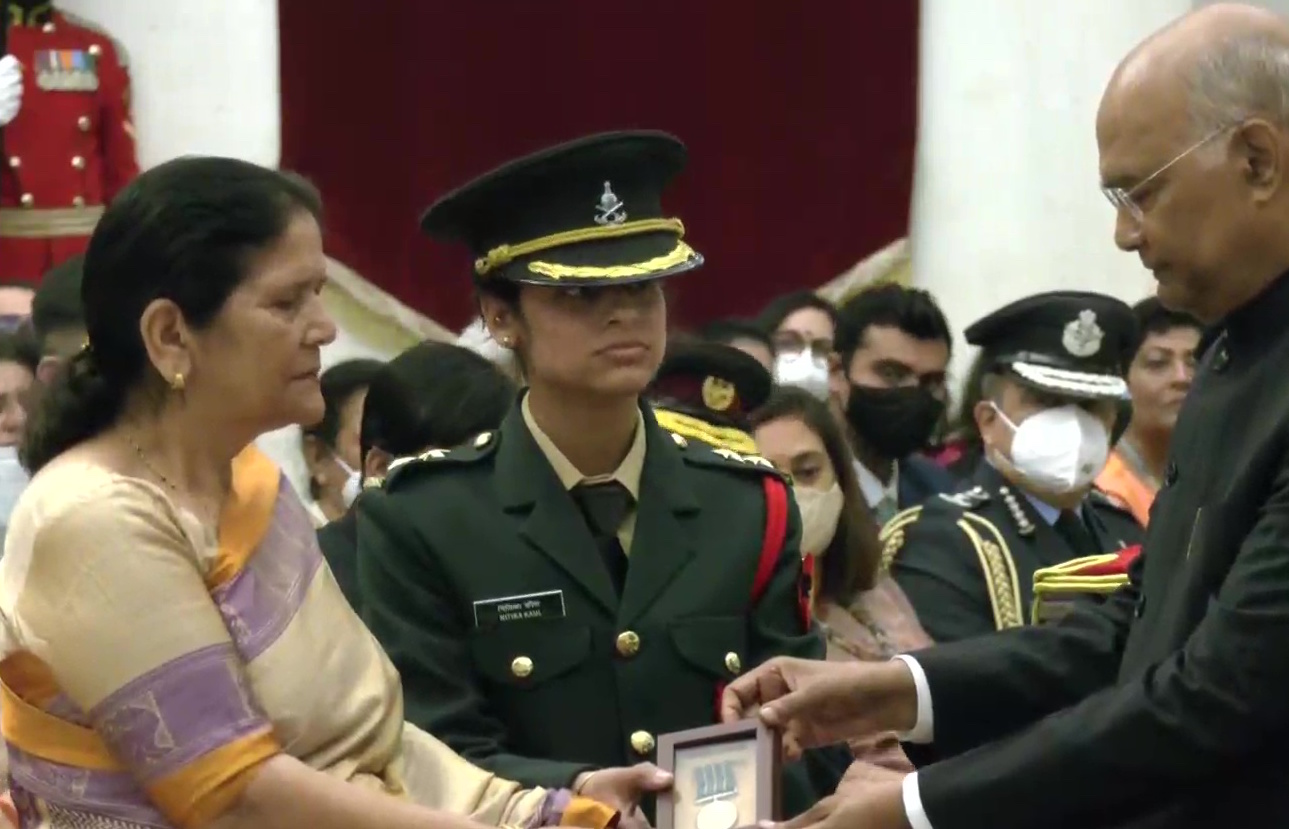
[[803, 369], [820, 510], [353, 484], [1058, 450], [894, 422], [13, 480]]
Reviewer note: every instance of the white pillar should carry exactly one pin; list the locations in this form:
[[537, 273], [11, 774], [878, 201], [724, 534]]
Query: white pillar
[[204, 72], [1006, 200]]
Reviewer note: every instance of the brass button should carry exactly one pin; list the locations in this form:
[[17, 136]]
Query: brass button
[[28, 200], [521, 667], [95, 50], [78, 161], [49, 28], [15, 162], [84, 123], [78, 201], [733, 663], [642, 742], [481, 440], [628, 643]]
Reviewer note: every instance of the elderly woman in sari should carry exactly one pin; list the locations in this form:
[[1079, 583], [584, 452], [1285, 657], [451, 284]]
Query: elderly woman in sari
[[176, 653]]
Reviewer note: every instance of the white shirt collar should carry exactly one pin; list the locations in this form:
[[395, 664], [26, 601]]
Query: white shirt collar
[[874, 490]]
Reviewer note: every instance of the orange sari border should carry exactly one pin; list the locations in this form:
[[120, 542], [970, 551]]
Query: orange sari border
[[246, 515], [206, 788]]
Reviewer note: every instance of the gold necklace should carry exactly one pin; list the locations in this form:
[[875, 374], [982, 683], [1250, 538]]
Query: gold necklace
[[143, 459]]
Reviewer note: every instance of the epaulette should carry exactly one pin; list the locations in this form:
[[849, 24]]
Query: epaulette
[[696, 451], [969, 499], [403, 469], [1057, 587], [997, 566], [76, 20]]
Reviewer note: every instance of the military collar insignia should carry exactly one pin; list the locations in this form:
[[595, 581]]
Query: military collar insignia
[[1082, 336], [611, 210], [1023, 525]]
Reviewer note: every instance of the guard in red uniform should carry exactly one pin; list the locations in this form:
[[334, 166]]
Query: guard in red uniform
[[70, 147]]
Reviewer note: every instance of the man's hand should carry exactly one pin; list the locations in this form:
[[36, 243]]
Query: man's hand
[[10, 88], [880, 806], [818, 703], [622, 788]]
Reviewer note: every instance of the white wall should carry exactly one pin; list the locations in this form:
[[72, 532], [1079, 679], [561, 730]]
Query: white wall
[[1006, 198]]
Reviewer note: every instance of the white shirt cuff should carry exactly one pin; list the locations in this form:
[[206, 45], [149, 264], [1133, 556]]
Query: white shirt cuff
[[923, 730], [913, 810]]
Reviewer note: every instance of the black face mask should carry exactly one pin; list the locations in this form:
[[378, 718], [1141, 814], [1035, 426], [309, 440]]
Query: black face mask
[[894, 422]]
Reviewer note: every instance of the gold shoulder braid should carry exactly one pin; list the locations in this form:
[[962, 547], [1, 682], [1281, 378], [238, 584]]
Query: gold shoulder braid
[[999, 569], [892, 535]]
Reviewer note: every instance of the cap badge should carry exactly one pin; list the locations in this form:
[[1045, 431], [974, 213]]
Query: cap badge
[[1082, 337], [718, 394], [611, 210]]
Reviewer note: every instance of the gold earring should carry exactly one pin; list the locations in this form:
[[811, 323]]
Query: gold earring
[[505, 341], [177, 382]]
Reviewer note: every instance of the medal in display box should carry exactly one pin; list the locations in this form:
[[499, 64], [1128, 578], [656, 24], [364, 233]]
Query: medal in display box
[[725, 776]]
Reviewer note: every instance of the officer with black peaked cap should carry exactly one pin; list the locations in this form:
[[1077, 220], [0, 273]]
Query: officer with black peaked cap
[[706, 391], [1050, 398], [559, 592]]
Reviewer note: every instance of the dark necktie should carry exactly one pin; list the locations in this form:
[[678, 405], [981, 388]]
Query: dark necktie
[[605, 507], [1070, 526]]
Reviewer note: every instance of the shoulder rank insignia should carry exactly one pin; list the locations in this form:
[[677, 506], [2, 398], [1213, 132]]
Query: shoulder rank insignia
[[700, 452], [481, 446], [972, 498], [1023, 525]]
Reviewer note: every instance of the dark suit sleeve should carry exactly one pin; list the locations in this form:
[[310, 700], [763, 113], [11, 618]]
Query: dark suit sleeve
[[779, 628], [939, 572], [406, 604], [1173, 727]]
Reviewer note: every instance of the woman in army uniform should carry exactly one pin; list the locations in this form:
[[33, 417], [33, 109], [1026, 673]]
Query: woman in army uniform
[[559, 592]]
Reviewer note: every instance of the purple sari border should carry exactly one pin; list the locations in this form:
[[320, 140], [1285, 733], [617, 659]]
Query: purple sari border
[[112, 795], [179, 711], [260, 601]]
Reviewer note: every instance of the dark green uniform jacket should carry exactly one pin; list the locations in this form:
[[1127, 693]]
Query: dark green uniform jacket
[[480, 578]]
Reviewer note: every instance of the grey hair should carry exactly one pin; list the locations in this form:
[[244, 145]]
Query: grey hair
[[1245, 76]]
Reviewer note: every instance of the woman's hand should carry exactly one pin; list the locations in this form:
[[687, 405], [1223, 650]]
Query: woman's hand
[[622, 787]]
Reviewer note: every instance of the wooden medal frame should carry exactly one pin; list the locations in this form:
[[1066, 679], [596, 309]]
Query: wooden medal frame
[[764, 748]]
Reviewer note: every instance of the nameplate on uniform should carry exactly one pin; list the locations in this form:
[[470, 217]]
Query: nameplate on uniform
[[66, 70], [530, 606]]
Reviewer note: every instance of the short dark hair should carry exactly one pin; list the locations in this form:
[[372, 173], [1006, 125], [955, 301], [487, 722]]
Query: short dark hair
[[434, 394], [911, 310], [339, 383], [785, 305], [729, 329], [19, 347], [850, 564], [1154, 318], [56, 305], [182, 231]]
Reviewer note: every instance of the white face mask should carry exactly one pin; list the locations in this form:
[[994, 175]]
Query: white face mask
[[1058, 450], [803, 369], [820, 511], [353, 484], [13, 480]]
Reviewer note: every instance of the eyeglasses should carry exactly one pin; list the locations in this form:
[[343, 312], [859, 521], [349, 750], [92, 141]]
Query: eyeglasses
[[1123, 199]]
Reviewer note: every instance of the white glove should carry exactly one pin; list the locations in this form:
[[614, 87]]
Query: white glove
[[10, 88]]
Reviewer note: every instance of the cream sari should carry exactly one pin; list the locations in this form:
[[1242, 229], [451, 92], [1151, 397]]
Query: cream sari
[[150, 664]]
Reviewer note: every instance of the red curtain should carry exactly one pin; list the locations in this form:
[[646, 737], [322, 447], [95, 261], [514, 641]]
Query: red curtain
[[799, 117]]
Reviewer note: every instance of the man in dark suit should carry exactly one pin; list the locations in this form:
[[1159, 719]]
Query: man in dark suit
[[1049, 401], [894, 346], [1165, 706]]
